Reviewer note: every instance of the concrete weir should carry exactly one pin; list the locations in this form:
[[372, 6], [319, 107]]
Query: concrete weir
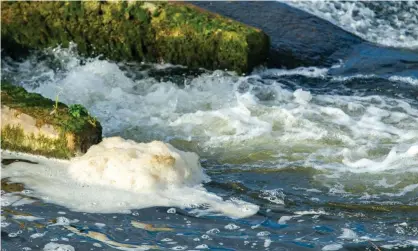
[[164, 32], [301, 39], [297, 38], [33, 124]]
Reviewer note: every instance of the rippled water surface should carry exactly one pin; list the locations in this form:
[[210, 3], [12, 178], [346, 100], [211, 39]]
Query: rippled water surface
[[298, 159], [330, 161], [389, 23]]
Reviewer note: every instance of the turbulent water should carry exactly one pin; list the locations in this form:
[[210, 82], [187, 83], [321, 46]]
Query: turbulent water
[[299, 159], [389, 23]]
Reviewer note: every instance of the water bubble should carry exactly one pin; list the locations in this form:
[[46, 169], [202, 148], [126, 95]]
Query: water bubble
[[263, 233], [12, 235], [231, 226], [179, 248], [213, 231], [171, 210]]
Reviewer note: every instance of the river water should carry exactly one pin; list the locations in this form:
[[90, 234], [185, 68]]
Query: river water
[[298, 159]]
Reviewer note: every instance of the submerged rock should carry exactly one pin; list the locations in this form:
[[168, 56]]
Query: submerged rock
[[177, 33], [37, 125]]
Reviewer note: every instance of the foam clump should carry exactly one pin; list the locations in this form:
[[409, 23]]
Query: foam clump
[[302, 97], [128, 165], [412, 151], [119, 175], [52, 246]]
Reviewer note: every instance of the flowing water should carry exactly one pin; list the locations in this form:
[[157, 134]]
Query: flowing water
[[299, 159], [389, 23]]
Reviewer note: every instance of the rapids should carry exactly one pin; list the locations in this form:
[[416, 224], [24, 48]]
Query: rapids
[[310, 158]]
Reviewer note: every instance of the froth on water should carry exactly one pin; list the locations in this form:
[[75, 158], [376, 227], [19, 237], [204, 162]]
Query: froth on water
[[118, 175], [271, 119]]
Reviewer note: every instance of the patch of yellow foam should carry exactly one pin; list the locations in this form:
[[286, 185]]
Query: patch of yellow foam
[[128, 165], [104, 239]]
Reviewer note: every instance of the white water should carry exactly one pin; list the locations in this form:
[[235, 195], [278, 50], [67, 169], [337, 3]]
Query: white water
[[119, 175], [233, 119], [392, 23], [137, 167]]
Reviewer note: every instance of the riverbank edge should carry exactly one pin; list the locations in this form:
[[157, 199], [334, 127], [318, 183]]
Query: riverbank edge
[[162, 32], [37, 125]]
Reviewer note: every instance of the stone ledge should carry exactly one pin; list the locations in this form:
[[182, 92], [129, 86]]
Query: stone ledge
[[33, 124], [170, 32]]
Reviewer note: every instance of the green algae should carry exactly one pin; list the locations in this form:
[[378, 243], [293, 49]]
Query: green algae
[[373, 207], [11, 187], [177, 33], [41, 108], [76, 134], [15, 139]]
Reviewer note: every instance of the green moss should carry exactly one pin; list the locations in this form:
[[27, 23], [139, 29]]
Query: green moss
[[76, 133], [373, 207], [41, 108], [14, 139], [10, 187], [178, 33]]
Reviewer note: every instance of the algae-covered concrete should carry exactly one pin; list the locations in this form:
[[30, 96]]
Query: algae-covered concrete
[[170, 32], [33, 124]]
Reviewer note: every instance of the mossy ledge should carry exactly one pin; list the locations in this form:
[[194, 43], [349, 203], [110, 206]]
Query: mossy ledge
[[37, 125], [170, 32]]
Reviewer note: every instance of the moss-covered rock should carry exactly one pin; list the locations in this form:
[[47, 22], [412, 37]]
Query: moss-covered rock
[[37, 125], [177, 33]]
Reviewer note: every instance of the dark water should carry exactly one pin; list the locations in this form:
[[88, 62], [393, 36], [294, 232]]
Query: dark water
[[328, 154]]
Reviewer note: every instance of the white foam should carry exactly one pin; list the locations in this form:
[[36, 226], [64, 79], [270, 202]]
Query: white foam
[[332, 247], [284, 219], [230, 118], [392, 161], [171, 210], [302, 97], [407, 189], [52, 246], [348, 234], [313, 72], [312, 212], [275, 196], [137, 167], [63, 221], [391, 23], [38, 235], [267, 243], [231, 226], [119, 175], [100, 225], [408, 80], [413, 242], [14, 199], [26, 217]]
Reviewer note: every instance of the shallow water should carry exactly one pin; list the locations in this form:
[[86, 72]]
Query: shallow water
[[331, 161], [300, 159]]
